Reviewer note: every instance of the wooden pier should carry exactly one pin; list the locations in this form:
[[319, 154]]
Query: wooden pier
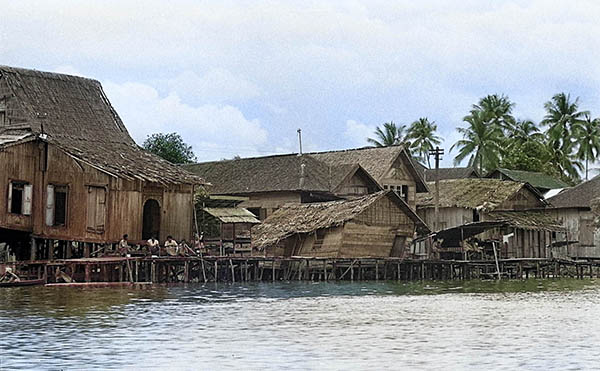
[[250, 269]]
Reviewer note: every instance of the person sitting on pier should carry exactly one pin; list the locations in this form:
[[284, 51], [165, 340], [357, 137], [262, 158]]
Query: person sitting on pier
[[171, 246], [123, 247], [153, 245], [9, 276]]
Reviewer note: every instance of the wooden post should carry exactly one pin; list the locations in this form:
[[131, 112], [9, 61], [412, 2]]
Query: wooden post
[[216, 270], [33, 252], [153, 272], [273, 270], [86, 250], [232, 271], [203, 269], [88, 273], [398, 272], [186, 272], [376, 269], [325, 270]]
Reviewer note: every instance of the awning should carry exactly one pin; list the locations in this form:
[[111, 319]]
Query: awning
[[232, 215]]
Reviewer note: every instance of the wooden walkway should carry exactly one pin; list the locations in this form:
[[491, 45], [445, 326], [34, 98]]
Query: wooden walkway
[[247, 269]]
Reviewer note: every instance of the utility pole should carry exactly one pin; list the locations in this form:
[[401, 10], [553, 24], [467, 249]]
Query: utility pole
[[300, 141], [437, 153]]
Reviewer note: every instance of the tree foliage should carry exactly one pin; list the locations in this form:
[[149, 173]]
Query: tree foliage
[[390, 135], [423, 137], [171, 147]]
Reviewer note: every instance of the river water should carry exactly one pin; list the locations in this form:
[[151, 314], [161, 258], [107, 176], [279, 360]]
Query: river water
[[534, 324]]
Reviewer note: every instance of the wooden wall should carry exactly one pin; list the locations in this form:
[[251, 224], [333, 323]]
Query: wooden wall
[[449, 216], [399, 175], [124, 199]]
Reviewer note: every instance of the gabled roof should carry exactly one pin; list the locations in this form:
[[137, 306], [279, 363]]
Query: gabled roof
[[375, 160], [74, 114], [264, 174], [474, 193], [579, 196], [536, 179], [323, 171], [305, 218], [444, 173]]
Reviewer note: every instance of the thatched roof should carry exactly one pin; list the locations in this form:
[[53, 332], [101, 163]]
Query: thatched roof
[[540, 181], [450, 173], [483, 194], [535, 220], [375, 160], [305, 218], [323, 171], [580, 196], [264, 174], [74, 114], [232, 215]]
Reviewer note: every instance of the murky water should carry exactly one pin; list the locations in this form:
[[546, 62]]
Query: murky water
[[468, 325]]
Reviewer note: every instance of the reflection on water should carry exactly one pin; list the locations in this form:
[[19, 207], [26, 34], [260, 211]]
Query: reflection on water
[[534, 324]]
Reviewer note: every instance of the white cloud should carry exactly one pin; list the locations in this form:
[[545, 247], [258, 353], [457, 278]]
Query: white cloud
[[216, 86], [311, 64], [214, 131], [357, 133]]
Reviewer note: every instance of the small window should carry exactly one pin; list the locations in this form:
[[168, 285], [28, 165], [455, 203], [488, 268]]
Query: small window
[[56, 205], [404, 192], [385, 186], [19, 198]]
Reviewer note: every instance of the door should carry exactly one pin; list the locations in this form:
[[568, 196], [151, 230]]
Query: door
[[151, 220]]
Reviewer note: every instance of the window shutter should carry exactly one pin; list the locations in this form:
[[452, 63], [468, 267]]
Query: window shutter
[[100, 209], [27, 194], [91, 209], [50, 205], [10, 187]]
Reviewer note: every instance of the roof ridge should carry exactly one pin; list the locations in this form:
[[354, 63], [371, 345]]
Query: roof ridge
[[46, 74]]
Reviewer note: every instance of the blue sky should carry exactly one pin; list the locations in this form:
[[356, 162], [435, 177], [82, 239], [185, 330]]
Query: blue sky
[[240, 77]]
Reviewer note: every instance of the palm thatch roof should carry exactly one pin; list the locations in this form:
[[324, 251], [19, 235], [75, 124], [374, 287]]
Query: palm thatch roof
[[540, 181], [482, 194], [232, 215], [580, 196], [534, 220], [316, 171], [294, 219], [74, 114], [450, 173]]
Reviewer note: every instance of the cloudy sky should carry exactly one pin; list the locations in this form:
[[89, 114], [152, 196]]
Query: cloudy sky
[[240, 77]]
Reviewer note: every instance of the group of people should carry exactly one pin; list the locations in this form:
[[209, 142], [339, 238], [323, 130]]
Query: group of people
[[170, 248]]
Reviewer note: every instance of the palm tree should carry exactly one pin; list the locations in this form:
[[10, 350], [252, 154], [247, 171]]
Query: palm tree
[[563, 119], [481, 141], [391, 134], [525, 131], [588, 138], [423, 136], [564, 161], [497, 110]]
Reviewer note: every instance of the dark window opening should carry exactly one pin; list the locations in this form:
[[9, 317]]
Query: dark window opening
[[404, 193], [475, 215], [60, 206], [16, 204]]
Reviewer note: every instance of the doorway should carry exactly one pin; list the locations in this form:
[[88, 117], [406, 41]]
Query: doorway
[[151, 220]]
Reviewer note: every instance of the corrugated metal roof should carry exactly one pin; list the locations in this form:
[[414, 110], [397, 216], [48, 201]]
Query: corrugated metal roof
[[232, 215]]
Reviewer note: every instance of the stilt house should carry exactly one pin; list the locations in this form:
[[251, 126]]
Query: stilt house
[[376, 225], [272, 181], [573, 207], [71, 172], [510, 212]]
